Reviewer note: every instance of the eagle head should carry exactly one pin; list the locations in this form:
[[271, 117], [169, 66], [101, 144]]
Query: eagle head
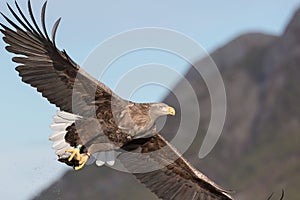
[[160, 109]]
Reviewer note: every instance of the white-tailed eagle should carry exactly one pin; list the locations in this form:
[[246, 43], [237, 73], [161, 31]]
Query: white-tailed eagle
[[92, 120]]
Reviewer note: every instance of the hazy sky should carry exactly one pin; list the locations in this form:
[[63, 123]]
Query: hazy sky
[[28, 162]]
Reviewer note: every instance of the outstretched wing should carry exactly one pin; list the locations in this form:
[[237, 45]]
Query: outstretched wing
[[48, 69], [172, 176]]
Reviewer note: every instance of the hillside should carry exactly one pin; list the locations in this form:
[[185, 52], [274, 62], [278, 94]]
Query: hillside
[[258, 151]]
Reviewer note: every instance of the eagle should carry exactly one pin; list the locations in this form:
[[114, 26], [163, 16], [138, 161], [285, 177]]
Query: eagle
[[92, 121]]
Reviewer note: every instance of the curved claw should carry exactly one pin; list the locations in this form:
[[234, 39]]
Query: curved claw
[[83, 159], [75, 152]]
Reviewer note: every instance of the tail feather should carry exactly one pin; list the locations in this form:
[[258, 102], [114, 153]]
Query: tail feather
[[59, 145], [57, 136], [61, 121], [68, 116], [60, 126], [61, 151]]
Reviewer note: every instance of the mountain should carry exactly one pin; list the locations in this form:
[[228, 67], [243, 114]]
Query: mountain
[[258, 152]]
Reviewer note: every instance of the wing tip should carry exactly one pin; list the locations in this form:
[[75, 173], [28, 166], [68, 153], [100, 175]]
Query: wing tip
[[54, 30], [282, 194]]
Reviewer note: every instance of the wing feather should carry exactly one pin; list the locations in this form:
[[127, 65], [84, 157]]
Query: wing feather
[[33, 20], [17, 41], [50, 71], [44, 20], [170, 179]]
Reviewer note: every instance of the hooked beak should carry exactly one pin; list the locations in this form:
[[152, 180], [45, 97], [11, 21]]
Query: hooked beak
[[171, 111]]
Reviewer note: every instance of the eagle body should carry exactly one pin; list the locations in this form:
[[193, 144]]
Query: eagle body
[[92, 120], [112, 128]]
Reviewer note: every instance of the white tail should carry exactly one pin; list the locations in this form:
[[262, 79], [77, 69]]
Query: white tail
[[61, 121]]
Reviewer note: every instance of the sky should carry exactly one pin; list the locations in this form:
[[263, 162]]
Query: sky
[[28, 162]]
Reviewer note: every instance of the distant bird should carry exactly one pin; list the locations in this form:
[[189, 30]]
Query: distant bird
[[93, 121]]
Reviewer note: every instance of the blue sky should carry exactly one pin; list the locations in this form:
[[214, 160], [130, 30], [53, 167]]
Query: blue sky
[[29, 163]]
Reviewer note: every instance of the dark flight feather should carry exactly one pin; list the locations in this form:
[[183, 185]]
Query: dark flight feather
[[173, 180]]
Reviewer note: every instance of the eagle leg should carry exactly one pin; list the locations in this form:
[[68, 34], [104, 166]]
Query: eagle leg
[[75, 152], [81, 158]]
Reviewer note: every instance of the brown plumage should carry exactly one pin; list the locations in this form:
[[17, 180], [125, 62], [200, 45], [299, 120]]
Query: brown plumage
[[175, 178], [93, 116]]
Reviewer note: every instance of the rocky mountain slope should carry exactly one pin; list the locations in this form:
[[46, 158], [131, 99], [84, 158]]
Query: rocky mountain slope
[[258, 152]]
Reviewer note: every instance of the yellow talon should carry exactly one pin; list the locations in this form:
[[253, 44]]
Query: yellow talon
[[75, 153], [83, 159], [79, 167]]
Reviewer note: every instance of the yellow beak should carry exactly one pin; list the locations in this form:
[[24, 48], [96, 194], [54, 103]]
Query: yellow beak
[[171, 111]]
